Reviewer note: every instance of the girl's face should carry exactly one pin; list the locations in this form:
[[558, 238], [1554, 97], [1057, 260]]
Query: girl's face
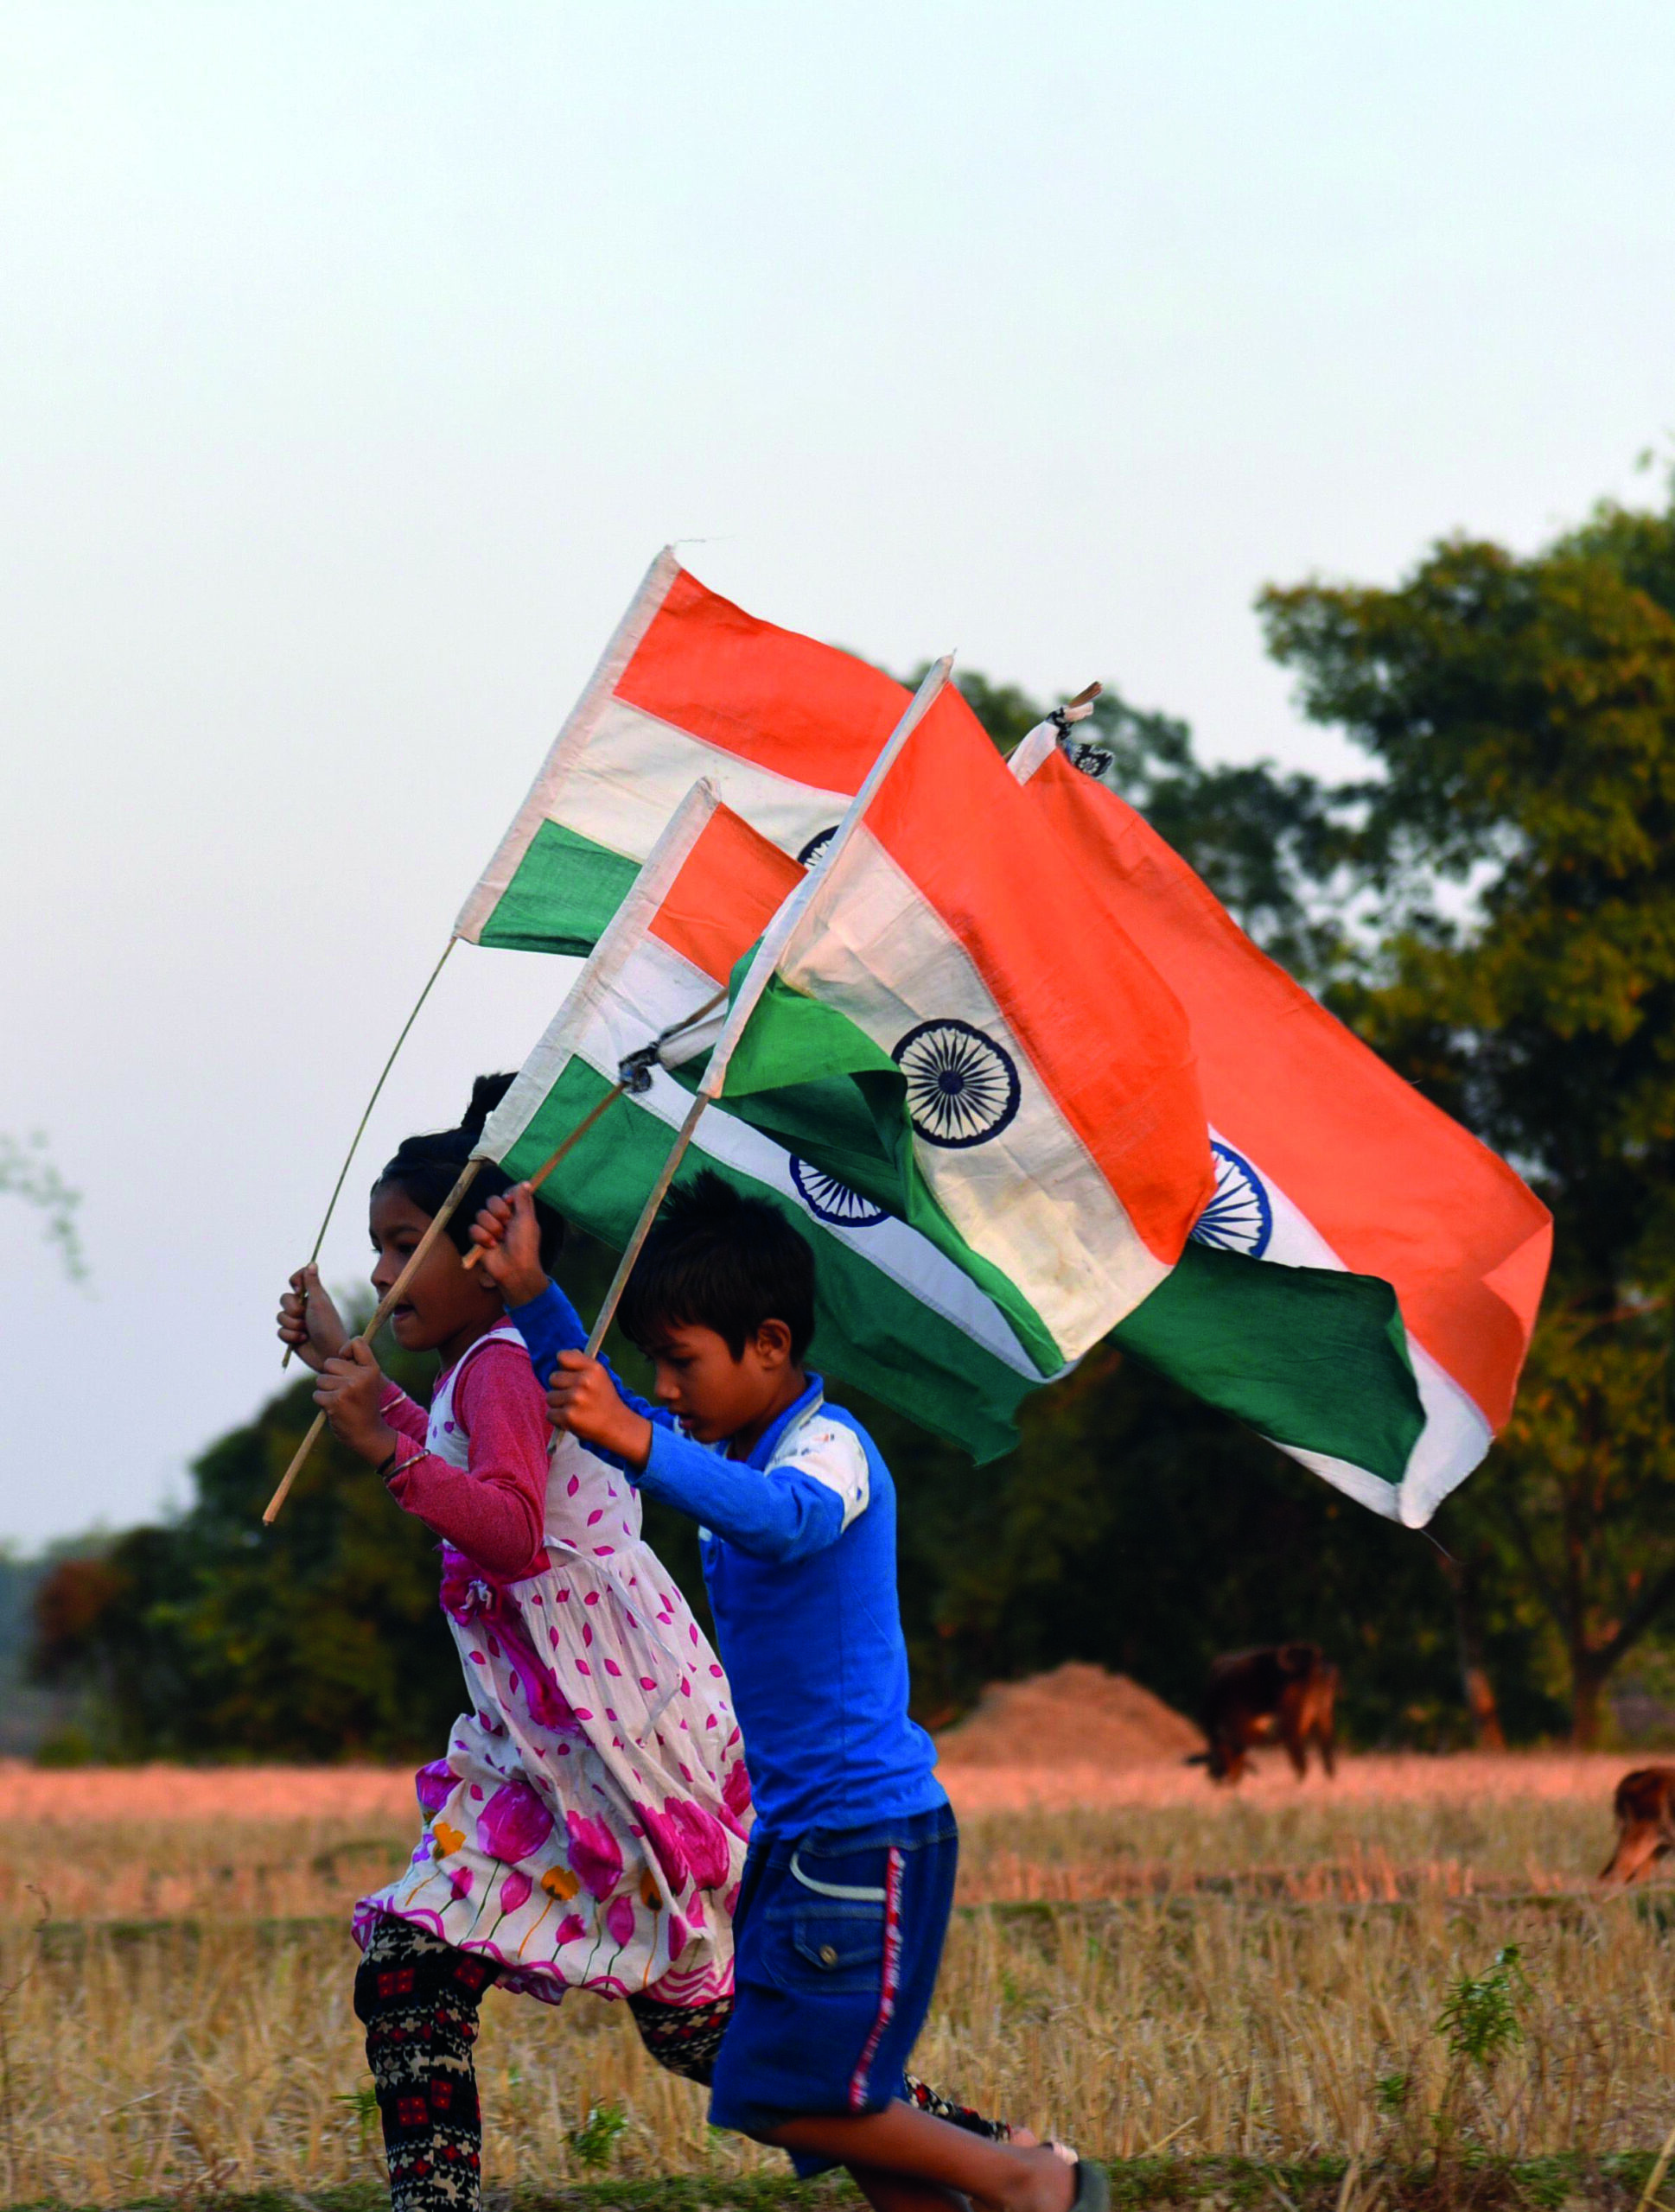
[[445, 1307]]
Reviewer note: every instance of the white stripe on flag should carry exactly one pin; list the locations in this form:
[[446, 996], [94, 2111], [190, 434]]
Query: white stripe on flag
[[637, 769], [1455, 1435], [776, 936], [578, 727], [1031, 1199]]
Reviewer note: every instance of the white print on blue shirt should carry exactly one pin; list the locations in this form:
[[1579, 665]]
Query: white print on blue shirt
[[829, 1454]]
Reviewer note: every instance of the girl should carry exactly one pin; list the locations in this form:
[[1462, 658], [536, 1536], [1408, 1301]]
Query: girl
[[586, 1827]]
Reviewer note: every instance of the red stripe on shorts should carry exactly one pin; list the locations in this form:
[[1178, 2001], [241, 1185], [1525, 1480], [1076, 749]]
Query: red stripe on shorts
[[890, 1981]]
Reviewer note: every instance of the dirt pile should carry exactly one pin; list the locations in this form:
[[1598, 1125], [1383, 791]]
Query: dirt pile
[[1076, 1716]]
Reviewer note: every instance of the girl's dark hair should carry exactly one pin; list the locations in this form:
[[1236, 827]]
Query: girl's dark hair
[[718, 1260], [427, 1167]]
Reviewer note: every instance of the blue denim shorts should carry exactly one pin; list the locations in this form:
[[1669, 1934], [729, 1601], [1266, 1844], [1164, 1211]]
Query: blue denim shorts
[[838, 1936]]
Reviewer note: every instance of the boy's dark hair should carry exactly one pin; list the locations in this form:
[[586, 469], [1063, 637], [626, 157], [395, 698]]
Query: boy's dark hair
[[427, 1168], [718, 1260]]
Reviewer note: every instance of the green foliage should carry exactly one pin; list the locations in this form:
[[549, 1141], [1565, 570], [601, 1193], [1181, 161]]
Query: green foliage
[[1476, 2183], [594, 2141], [362, 2107], [1523, 712], [1267, 844], [316, 1639], [1138, 1529], [1518, 852], [27, 1172], [1480, 2022]]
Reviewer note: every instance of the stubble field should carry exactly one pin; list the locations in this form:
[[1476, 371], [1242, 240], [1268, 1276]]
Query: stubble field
[[1145, 1964]]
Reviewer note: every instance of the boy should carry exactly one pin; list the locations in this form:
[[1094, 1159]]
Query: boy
[[849, 1881]]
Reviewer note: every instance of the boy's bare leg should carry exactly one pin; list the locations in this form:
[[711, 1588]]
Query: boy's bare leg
[[902, 2146]]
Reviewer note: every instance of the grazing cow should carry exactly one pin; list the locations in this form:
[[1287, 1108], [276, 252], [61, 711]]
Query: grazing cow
[[1282, 1695], [1644, 1807]]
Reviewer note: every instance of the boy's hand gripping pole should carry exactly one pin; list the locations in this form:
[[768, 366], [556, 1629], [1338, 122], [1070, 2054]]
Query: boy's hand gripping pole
[[387, 1306], [633, 1075]]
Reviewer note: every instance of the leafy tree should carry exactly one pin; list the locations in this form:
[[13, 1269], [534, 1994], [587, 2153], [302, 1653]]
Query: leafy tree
[[27, 1172], [1518, 849], [1267, 844], [318, 1639]]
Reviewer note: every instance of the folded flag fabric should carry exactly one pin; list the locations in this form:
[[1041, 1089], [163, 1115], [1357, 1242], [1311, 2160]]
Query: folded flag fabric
[[689, 687], [1325, 1159], [896, 1316], [937, 1019]]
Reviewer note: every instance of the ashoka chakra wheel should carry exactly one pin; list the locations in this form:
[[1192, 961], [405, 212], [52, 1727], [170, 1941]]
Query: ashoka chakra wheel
[[815, 850], [833, 1202], [1240, 1217], [962, 1088]]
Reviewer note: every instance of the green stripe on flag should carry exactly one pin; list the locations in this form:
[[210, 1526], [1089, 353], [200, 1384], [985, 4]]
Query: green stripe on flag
[[1308, 1355], [851, 1120], [871, 1331], [564, 892]]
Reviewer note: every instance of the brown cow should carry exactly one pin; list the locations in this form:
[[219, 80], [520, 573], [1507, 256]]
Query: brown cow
[[1281, 1694], [1644, 1807]]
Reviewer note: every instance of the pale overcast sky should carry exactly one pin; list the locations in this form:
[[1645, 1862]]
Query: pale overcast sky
[[356, 360]]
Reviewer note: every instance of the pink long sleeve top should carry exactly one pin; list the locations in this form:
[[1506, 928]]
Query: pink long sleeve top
[[495, 1511]]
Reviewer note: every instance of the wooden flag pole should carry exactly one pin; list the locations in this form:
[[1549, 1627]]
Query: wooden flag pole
[[643, 1227], [360, 1127], [633, 1073], [387, 1306], [746, 997], [553, 1158]]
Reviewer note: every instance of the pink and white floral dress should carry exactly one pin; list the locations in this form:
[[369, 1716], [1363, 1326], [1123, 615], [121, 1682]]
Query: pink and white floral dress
[[587, 1826]]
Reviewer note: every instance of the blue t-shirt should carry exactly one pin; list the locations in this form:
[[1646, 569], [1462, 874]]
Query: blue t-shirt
[[799, 1548]]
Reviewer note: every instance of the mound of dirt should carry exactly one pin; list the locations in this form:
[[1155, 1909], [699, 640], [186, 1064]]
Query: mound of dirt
[[1076, 1716]]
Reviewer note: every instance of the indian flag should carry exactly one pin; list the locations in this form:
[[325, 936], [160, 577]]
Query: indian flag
[[947, 1018], [896, 1316], [689, 687], [1325, 1159], [936, 1013]]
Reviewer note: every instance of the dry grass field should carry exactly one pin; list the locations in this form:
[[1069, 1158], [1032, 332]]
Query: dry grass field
[[1142, 1962]]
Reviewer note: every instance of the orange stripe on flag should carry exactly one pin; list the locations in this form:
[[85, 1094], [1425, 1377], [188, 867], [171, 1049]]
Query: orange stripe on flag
[[1104, 1032], [787, 703], [728, 888], [1397, 1188]]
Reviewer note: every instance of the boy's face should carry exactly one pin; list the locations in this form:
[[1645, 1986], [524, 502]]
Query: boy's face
[[714, 1394]]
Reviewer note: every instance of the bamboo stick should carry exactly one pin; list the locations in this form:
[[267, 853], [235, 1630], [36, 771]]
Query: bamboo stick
[[360, 1127], [387, 1306], [647, 1214], [547, 1165], [1649, 2195], [634, 1073]]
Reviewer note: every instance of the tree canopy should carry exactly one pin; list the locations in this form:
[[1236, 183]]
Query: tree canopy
[[1518, 853]]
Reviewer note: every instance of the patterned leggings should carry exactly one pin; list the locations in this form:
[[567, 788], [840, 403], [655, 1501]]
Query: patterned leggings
[[418, 1999]]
